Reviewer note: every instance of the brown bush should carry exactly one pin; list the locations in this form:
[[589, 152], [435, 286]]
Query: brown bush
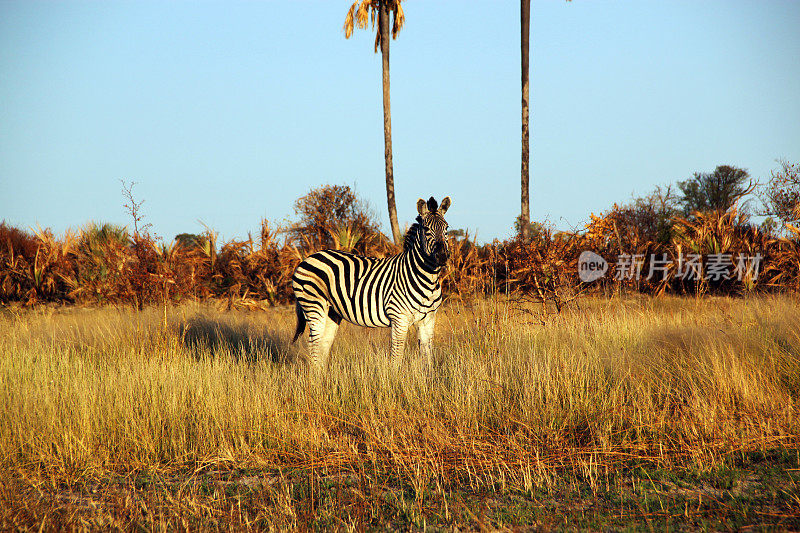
[[17, 253], [781, 193], [471, 269], [545, 267], [333, 216], [104, 264], [35, 267]]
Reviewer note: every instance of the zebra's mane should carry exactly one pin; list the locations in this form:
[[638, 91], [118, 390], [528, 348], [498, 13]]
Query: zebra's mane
[[411, 235]]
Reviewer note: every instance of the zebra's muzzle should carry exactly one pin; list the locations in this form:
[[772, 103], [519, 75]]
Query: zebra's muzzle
[[442, 254]]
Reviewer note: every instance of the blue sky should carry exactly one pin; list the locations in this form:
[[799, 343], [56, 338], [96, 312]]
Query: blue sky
[[226, 112]]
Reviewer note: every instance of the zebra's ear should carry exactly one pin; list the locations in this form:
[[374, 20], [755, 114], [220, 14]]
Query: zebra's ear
[[445, 205], [422, 207]]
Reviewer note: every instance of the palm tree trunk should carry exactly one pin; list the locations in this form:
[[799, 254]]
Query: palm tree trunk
[[525, 23], [383, 22]]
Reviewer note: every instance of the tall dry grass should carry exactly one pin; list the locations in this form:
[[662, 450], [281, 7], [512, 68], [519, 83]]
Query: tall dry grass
[[509, 400]]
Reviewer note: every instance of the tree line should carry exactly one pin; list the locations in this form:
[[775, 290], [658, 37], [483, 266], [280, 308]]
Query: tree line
[[707, 216]]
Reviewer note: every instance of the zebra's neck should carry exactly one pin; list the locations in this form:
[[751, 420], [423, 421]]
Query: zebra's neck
[[414, 255]]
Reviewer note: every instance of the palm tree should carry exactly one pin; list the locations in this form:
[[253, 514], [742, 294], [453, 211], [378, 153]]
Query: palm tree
[[359, 15], [525, 23], [525, 30]]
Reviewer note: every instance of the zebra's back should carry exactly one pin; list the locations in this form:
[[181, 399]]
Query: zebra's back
[[355, 286]]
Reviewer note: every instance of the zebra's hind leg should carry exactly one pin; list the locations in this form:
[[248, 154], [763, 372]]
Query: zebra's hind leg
[[332, 321], [316, 313]]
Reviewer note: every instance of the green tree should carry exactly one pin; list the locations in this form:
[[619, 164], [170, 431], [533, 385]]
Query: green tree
[[715, 191], [358, 16]]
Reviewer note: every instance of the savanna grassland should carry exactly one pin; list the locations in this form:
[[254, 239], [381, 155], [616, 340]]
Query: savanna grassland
[[656, 412]]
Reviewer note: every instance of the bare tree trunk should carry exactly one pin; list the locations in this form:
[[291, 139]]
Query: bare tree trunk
[[383, 22], [525, 215]]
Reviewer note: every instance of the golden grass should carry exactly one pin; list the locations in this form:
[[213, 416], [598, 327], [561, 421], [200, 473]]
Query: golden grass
[[668, 379]]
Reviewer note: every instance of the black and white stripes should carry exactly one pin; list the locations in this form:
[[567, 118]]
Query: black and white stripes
[[393, 292]]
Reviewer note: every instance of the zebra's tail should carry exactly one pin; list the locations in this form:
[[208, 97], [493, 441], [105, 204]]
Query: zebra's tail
[[301, 322]]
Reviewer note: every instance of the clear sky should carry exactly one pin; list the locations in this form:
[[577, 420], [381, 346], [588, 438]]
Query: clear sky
[[226, 112]]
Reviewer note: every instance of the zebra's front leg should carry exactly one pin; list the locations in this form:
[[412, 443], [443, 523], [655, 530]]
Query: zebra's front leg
[[399, 331], [425, 329]]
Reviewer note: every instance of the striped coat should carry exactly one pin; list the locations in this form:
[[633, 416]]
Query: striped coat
[[398, 291]]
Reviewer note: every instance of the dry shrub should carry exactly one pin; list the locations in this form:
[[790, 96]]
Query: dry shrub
[[545, 268], [333, 216], [148, 282], [104, 264], [781, 193], [17, 241], [35, 267], [114, 267], [728, 234], [270, 265], [54, 275], [714, 233], [17, 253], [471, 268], [782, 270]]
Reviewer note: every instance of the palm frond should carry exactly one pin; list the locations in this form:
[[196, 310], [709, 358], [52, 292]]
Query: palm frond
[[348, 21], [399, 19], [362, 17], [365, 13]]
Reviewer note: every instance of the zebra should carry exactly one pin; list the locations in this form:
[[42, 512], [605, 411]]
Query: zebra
[[395, 291]]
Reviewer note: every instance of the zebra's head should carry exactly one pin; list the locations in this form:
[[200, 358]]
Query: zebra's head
[[434, 228]]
